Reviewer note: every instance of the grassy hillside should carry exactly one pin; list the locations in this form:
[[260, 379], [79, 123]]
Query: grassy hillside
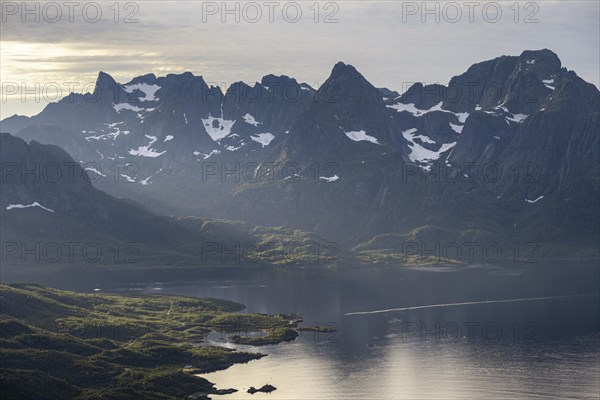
[[64, 345], [37, 240]]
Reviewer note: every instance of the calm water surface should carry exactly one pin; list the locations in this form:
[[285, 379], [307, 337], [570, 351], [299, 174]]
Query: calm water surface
[[543, 345]]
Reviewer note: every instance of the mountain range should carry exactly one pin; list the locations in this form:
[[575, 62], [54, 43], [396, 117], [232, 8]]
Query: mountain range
[[507, 153]]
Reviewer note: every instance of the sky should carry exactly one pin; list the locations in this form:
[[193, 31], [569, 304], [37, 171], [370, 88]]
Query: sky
[[52, 48]]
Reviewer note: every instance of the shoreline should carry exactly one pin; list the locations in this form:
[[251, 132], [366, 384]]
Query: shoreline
[[141, 342]]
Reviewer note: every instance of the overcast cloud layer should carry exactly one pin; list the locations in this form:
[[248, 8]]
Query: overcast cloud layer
[[387, 41]]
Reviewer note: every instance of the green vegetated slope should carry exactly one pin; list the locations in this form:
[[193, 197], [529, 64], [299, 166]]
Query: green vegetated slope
[[64, 345]]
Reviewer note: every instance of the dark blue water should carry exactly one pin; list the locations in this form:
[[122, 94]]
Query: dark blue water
[[511, 332]]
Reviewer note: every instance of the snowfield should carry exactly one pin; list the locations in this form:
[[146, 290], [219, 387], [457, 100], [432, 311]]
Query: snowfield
[[359, 136], [421, 155], [148, 90], [146, 151], [219, 130], [249, 119], [34, 204], [263, 138]]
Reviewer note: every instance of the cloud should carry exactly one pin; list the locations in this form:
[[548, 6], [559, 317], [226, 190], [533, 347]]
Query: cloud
[[177, 36]]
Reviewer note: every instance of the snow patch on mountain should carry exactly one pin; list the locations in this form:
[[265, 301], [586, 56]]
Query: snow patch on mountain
[[517, 118], [128, 178], [534, 201], [217, 128], [105, 136], [263, 138], [292, 177], [421, 155], [126, 106], [169, 137], [96, 137], [249, 119], [233, 148], [411, 108], [361, 135], [146, 151], [333, 178], [456, 128], [94, 170], [117, 130], [34, 204], [407, 107], [148, 90], [510, 116], [424, 139], [549, 84], [205, 156]]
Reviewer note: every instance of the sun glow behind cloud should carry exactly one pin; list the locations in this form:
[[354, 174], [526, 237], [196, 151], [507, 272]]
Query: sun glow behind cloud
[[32, 59]]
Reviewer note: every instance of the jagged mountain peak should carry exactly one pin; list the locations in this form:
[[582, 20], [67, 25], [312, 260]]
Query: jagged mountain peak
[[538, 58], [104, 77], [149, 78], [271, 79], [186, 75], [184, 78], [22, 188], [341, 69], [388, 93], [346, 84], [542, 65], [235, 87], [574, 95], [105, 84], [422, 96]]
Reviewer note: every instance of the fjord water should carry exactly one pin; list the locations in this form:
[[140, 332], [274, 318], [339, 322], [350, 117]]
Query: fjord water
[[543, 345]]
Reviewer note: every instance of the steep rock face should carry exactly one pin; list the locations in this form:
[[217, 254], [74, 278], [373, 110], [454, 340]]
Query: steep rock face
[[347, 121], [508, 148], [424, 97], [516, 83], [263, 112], [45, 175], [482, 84], [544, 137]]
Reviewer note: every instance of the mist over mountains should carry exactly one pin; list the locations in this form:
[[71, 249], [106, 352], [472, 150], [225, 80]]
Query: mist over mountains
[[507, 152]]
